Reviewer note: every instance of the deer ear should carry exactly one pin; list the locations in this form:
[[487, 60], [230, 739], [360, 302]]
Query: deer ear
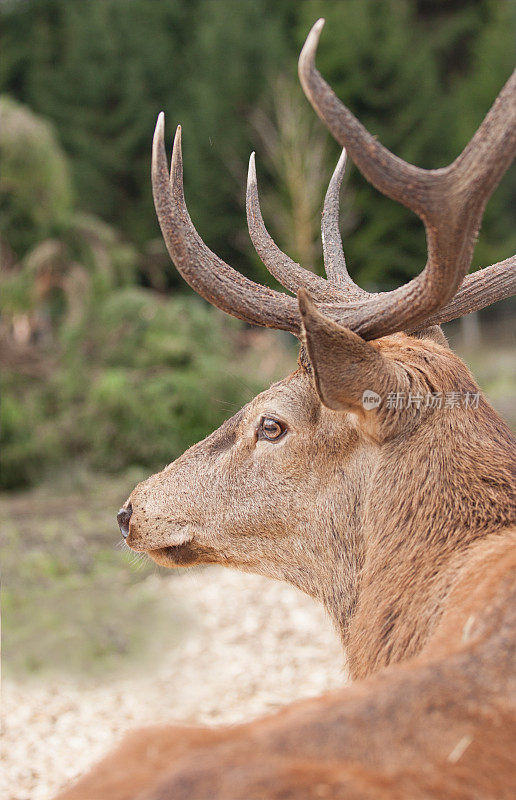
[[350, 374]]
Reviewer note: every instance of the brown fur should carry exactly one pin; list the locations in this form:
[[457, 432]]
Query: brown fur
[[403, 523]]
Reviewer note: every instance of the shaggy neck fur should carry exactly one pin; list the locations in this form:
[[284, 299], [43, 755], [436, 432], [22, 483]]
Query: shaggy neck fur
[[426, 505]]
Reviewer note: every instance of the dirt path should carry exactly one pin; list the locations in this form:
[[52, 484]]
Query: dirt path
[[249, 646]]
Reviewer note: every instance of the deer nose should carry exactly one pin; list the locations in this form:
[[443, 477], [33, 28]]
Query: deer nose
[[123, 517]]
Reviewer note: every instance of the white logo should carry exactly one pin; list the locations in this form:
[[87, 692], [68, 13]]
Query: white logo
[[370, 400]]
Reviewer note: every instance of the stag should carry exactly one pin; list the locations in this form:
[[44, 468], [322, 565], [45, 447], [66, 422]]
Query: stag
[[401, 520]]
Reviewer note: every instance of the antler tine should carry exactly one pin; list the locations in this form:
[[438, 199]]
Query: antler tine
[[388, 173], [334, 260], [290, 274], [206, 273], [450, 201]]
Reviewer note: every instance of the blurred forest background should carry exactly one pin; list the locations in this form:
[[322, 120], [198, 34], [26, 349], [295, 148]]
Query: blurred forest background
[[111, 366]]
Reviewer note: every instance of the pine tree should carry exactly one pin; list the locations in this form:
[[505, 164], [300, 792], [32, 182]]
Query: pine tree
[[102, 71]]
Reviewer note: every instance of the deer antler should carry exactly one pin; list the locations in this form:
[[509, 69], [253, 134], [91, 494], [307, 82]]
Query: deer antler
[[206, 273], [290, 274], [334, 260], [449, 201], [339, 287], [477, 291], [211, 277]]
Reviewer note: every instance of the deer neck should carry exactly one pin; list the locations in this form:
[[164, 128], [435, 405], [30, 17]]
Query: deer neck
[[430, 498]]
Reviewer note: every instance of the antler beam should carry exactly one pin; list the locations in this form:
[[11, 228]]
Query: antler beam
[[477, 291]]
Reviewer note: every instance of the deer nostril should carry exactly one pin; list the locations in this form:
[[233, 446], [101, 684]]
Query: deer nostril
[[123, 517]]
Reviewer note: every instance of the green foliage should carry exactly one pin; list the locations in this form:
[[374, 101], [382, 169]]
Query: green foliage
[[138, 381], [29, 442], [35, 188], [101, 71], [69, 255], [119, 376], [492, 58]]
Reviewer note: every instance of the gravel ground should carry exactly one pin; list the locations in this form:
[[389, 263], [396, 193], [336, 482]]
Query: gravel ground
[[250, 645]]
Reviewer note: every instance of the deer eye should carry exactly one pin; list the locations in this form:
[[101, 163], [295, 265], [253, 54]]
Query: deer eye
[[271, 429]]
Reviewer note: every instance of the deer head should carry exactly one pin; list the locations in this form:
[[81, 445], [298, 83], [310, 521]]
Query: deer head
[[322, 480]]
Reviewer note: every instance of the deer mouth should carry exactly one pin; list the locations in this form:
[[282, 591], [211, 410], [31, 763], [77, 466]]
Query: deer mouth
[[176, 555]]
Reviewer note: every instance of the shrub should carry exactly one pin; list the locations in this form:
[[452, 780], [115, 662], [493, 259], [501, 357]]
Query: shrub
[[138, 381]]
